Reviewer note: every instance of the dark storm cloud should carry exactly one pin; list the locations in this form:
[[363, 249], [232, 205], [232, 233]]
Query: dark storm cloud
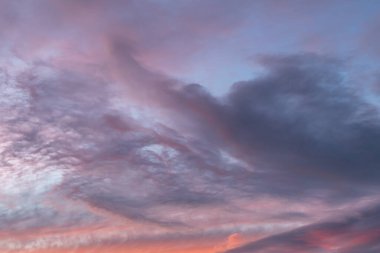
[[303, 121], [301, 125]]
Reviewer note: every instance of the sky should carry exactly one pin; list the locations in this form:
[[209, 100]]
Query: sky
[[189, 126]]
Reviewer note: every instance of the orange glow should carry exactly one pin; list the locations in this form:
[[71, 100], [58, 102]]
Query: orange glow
[[209, 245]]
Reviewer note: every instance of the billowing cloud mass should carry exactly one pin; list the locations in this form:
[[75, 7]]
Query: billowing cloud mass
[[189, 126]]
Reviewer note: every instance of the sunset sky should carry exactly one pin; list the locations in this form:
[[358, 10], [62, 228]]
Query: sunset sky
[[189, 126]]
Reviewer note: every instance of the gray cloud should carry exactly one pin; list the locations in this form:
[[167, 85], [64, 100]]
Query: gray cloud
[[304, 124]]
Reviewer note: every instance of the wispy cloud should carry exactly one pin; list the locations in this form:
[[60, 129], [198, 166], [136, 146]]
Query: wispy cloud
[[103, 148]]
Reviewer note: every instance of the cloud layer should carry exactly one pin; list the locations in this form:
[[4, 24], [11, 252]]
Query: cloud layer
[[104, 146]]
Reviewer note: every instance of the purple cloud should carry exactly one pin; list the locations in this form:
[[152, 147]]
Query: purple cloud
[[104, 143]]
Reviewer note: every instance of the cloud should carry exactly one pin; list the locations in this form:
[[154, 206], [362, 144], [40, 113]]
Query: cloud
[[304, 121], [353, 234], [68, 139], [97, 146], [277, 130]]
